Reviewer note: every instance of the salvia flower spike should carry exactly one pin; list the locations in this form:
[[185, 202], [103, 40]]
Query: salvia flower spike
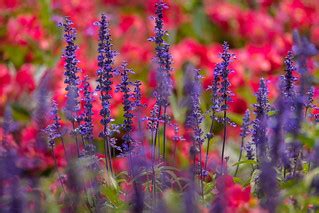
[[163, 61], [86, 128], [261, 109], [105, 74], [224, 90]]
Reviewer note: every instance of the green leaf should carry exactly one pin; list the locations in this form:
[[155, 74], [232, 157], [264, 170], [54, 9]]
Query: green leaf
[[15, 54], [20, 114], [245, 162], [307, 141]]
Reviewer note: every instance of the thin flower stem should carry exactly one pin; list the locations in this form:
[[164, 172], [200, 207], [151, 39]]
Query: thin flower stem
[[156, 130], [106, 156], [201, 172], [57, 170], [209, 139], [240, 155], [224, 140], [164, 133], [174, 152], [109, 154], [63, 144], [76, 140]]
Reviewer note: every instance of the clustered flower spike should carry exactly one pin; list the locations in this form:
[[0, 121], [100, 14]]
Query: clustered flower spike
[[105, 72], [302, 49], [250, 151], [71, 67], [261, 109], [288, 79], [128, 106], [215, 99], [163, 58], [309, 98], [86, 128], [224, 90], [152, 120], [137, 94], [53, 130], [244, 130], [195, 118]]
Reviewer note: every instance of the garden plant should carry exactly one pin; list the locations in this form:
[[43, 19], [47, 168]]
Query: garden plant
[[159, 106]]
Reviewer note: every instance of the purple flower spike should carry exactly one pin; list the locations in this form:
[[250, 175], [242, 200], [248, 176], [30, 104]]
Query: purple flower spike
[[303, 49], [288, 79], [86, 128], [53, 130], [71, 70], [224, 90], [262, 107], [128, 105], [105, 71], [163, 58]]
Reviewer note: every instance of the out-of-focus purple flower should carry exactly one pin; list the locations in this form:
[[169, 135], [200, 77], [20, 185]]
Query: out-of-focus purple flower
[[163, 58], [195, 118], [41, 110], [309, 99], [245, 130], [250, 151], [53, 130], [288, 79], [302, 49], [268, 191], [276, 125], [8, 125], [261, 109]]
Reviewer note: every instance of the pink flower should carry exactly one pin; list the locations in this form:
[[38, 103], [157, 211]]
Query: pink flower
[[233, 194], [24, 78], [23, 28]]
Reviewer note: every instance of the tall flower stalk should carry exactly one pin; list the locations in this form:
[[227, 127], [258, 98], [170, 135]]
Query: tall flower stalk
[[105, 74], [194, 121], [303, 49], [214, 108], [261, 109], [71, 76], [128, 106], [163, 60], [225, 92], [86, 128]]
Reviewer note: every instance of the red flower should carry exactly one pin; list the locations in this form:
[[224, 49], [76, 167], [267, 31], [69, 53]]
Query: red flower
[[235, 196], [9, 4], [24, 78], [25, 27], [5, 79]]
